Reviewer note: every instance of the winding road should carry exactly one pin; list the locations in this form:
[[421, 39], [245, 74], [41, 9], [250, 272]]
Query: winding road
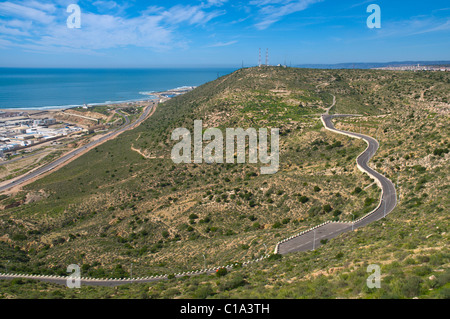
[[312, 238]]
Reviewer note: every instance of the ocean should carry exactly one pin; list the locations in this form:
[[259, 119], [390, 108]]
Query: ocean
[[64, 88]]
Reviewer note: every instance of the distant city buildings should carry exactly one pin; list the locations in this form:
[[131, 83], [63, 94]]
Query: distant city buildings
[[434, 68]]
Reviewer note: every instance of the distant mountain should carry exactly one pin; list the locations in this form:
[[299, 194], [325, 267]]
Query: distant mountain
[[370, 65]]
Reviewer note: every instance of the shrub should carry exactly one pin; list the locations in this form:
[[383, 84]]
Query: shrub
[[422, 271], [411, 287], [276, 225], [337, 213], [256, 225], [303, 199], [165, 234], [18, 237], [368, 201], [327, 208], [275, 257], [419, 168], [234, 283], [440, 151], [203, 292], [221, 272]]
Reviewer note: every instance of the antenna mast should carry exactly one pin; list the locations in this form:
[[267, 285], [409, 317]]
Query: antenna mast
[[259, 61]]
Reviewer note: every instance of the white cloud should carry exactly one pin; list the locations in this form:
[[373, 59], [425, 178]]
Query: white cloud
[[436, 28], [190, 14], [215, 3], [110, 6], [222, 44], [47, 7], [156, 27], [105, 4], [272, 11], [414, 26], [5, 43], [100, 32], [12, 32], [9, 9]]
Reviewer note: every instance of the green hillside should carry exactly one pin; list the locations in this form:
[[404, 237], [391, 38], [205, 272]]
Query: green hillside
[[127, 203]]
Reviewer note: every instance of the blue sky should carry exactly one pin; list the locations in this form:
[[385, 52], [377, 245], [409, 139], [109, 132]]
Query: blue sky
[[33, 33]]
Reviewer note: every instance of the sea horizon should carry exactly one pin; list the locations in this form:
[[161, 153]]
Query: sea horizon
[[62, 88]]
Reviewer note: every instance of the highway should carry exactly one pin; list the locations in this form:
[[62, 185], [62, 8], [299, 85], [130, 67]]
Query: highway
[[51, 166]]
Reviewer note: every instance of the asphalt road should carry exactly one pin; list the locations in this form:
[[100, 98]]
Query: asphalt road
[[312, 239], [60, 280], [389, 194], [51, 166]]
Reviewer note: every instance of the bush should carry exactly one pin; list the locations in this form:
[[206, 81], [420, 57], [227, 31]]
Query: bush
[[18, 237], [193, 216], [203, 292], [337, 213], [256, 225], [440, 151], [314, 210], [275, 257], [411, 287], [221, 272], [276, 225], [119, 272], [419, 168], [327, 208], [303, 199], [165, 234], [422, 271], [234, 283], [368, 201]]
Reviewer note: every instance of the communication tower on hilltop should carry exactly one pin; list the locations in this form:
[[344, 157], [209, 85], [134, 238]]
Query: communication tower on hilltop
[[267, 57], [259, 61]]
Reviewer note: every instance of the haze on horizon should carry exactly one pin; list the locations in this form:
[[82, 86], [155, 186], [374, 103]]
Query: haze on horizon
[[34, 33]]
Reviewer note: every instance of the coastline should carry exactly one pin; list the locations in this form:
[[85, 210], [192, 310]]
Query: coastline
[[150, 97], [67, 107]]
